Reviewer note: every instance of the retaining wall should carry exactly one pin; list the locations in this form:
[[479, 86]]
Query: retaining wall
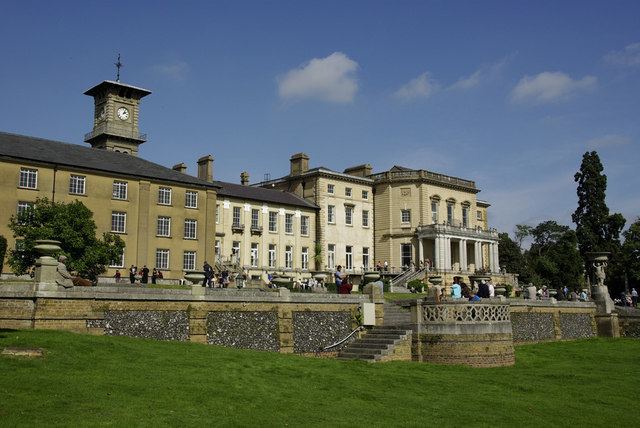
[[277, 321], [537, 321]]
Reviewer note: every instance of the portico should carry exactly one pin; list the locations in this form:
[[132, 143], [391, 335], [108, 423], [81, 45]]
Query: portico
[[458, 249]]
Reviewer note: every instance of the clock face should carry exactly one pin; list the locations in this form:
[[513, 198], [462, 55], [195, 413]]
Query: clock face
[[123, 113]]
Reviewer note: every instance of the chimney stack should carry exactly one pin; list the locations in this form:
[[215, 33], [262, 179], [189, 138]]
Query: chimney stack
[[205, 168], [244, 178], [299, 163], [180, 167], [363, 170]]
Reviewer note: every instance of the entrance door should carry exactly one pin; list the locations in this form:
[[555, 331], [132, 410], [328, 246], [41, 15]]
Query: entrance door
[[405, 255]]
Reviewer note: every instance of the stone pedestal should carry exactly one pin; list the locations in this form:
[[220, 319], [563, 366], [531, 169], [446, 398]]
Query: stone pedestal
[[600, 295], [608, 325], [46, 267]]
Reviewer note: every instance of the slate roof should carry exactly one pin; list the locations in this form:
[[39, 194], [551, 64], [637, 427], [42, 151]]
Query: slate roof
[[32, 149], [261, 194]]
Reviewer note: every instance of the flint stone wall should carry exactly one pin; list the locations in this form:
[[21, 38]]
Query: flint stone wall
[[536, 321], [532, 327], [576, 326], [629, 320], [159, 325], [315, 330], [249, 330]]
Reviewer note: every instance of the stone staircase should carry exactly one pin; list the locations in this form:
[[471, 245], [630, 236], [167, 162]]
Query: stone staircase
[[391, 341], [399, 283]]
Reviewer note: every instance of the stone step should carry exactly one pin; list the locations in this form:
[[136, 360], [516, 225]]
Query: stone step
[[376, 340], [354, 356], [367, 345], [389, 330]]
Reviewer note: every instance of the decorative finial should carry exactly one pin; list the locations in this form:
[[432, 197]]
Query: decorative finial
[[118, 66]]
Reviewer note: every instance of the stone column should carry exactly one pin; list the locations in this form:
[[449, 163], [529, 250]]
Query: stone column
[[492, 260], [496, 256], [437, 253], [420, 251], [477, 254], [464, 265], [447, 258]]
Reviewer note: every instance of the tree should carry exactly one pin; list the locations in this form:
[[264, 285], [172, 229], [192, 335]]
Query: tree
[[631, 253], [553, 258], [511, 257], [522, 231], [3, 251], [596, 230], [72, 224]]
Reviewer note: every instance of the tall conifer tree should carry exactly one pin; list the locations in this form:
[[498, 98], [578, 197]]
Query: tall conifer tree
[[596, 230]]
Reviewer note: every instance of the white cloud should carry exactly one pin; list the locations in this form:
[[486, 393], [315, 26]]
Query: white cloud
[[481, 75], [328, 79], [630, 55], [420, 87], [611, 140], [177, 70], [550, 86]]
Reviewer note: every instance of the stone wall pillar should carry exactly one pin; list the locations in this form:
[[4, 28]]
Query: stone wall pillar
[[420, 251], [447, 253], [477, 254], [285, 323], [463, 255]]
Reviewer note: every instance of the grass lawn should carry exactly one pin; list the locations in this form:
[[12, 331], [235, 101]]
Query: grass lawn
[[88, 380]]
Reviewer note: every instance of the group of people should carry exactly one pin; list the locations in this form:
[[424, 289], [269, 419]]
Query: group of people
[[343, 281], [222, 280], [629, 299], [459, 290], [142, 273]]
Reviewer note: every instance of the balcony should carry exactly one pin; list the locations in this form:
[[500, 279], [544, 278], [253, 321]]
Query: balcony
[[256, 230], [237, 228], [424, 175], [455, 228], [115, 130]]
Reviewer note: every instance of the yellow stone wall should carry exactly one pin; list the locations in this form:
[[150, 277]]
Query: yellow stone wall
[[141, 207]]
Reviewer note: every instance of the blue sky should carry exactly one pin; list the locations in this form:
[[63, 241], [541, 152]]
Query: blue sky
[[509, 94]]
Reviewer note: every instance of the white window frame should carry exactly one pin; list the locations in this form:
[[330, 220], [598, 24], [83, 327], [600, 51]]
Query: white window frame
[[77, 184], [255, 218], [117, 190], [164, 195], [435, 207], [273, 255], [348, 191], [405, 216], [189, 259], [331, 188], [28, 178], [331, 214], [348, 215], [479, 215], [255, 258], [190, 228], [273, 221], [348, 257], [163, 226], [162, 258], [288, 224], [191, 199], [119, 263], [22, 207], [288, 257], [450, 212], [304, 258], [217, 213], [465, 216], [365, 194], [236, 219], [365, 218], [365, 258], [304, 225], [331, 256], [118, 218]]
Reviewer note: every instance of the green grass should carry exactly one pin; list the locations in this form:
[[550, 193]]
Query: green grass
[[88, 380]]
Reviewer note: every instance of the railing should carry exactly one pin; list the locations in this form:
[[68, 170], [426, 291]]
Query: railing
[[454, 227], [407, 276], [465, 312], [111, 129], [422, 174], [340, 342]]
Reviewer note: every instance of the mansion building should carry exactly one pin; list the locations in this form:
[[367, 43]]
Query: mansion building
[[312, 219]]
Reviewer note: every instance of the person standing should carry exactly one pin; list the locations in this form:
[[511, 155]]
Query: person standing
[[634, 298], [456, 289], [145, 274], [208, 274], [154, 275], [338, 278], [483, 290], [132, 273], [117, 276]]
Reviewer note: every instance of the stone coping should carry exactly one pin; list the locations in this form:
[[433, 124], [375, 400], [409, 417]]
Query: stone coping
[[510, 302], [22, 290]]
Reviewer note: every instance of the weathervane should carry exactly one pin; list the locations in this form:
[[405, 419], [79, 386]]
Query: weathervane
[[118, 66]]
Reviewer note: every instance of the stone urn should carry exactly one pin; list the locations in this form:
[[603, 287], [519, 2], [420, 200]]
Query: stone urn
[[47, 247], [501, 291], [371, 276], [194, 277], [281, 281], [435, 280]]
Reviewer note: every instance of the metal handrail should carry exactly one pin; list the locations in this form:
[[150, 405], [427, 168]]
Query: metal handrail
[[360, 327]]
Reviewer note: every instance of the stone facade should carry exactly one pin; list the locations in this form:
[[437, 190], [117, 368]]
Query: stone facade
[[249, 330], [313, 331], [537, 321]]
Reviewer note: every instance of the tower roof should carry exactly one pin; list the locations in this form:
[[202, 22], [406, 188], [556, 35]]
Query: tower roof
[[133, 91]]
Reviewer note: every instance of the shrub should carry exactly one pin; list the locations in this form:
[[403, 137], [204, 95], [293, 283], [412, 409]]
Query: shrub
[[415, 283]]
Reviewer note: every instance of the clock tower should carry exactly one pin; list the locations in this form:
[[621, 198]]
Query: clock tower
[[115, 121]]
